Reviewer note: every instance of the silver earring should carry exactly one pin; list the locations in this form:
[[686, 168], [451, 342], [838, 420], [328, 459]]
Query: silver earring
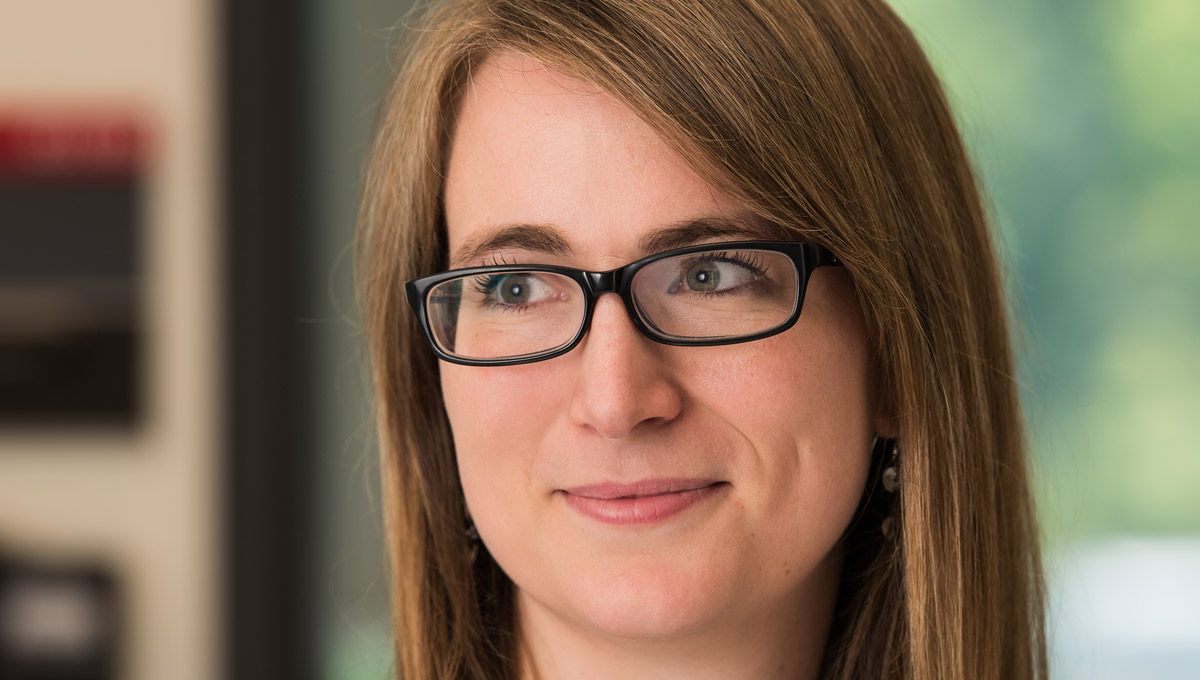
[[889, 478]]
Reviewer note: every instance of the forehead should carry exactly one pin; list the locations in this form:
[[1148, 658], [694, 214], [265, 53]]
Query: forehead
[[535, 146]]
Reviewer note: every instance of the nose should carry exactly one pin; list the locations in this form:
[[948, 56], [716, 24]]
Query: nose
[[624, 386]]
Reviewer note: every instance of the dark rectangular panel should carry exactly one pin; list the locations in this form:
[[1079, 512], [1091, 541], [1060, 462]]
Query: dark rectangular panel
[[70, 228]]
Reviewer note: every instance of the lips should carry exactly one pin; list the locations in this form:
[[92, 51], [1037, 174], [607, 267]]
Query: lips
[[643, 502]]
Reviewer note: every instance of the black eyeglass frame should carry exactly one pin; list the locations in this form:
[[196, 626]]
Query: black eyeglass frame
[[805, 257]]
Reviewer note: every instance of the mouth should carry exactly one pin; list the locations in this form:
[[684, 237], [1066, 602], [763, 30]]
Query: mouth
[[648, 501]]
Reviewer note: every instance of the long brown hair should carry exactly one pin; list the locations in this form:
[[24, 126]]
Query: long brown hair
[[824, 117]]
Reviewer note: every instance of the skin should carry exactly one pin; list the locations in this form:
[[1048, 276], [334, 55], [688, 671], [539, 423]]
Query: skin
[[741, 585]]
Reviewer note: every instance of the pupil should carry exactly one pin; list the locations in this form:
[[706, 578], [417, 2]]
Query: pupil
[[705, 276], [514, 294]]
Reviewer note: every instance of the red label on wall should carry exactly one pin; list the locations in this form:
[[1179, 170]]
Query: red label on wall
[[83, 145]]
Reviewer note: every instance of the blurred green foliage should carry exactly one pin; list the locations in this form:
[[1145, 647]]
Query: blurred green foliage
[[1083, 117]]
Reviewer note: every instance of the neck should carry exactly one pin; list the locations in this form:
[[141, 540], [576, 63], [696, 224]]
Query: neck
[[785, 641]]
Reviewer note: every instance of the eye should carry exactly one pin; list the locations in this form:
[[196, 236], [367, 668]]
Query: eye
[[515, 289], [718, 273], [704, 276]]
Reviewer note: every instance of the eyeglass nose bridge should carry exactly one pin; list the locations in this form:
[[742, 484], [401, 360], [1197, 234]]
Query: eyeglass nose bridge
[[599, 283], [613, 281], [603, 282]]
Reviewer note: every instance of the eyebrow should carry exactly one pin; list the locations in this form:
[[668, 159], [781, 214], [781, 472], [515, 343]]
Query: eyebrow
[[687, 232], [541, 238], [544, 238]]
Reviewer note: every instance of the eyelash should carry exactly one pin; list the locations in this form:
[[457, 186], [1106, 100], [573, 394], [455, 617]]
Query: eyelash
[[754, 263], [495, 260], [487, 286]]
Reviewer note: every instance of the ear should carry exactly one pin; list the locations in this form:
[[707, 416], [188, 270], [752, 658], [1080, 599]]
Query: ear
[[885, 422], [886, 427]]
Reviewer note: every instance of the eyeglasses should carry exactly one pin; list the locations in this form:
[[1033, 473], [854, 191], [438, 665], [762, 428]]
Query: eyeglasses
[[711, 294]]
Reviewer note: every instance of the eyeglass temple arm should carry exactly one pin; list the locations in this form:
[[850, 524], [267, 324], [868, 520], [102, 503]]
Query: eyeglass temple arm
[[825, 256]]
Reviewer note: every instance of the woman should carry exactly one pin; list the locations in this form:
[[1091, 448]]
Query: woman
[[787, 446]]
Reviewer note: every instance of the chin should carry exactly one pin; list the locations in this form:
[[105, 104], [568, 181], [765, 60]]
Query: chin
[[648, 601]]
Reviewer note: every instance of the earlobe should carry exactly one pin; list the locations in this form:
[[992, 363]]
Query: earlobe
[[885, 423]]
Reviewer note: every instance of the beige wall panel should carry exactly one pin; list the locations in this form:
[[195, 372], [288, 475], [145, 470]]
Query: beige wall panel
[[147, 500]]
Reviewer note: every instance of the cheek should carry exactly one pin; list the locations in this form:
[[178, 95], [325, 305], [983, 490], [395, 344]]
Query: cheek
[[484, 403], [804, 402], [820, 387], [806, 386], [498, 416]]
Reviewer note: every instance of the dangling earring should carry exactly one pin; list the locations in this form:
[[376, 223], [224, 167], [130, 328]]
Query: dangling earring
[[891, 474], [890, 477]]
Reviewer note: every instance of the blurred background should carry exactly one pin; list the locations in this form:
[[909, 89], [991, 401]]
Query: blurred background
[[187, 474]]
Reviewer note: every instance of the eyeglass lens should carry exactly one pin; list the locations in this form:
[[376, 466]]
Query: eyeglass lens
[[712, 295]]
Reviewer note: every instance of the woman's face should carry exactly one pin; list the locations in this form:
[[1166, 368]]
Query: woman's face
[[762, 447]]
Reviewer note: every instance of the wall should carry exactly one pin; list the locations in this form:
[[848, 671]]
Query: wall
[[144, 499]]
